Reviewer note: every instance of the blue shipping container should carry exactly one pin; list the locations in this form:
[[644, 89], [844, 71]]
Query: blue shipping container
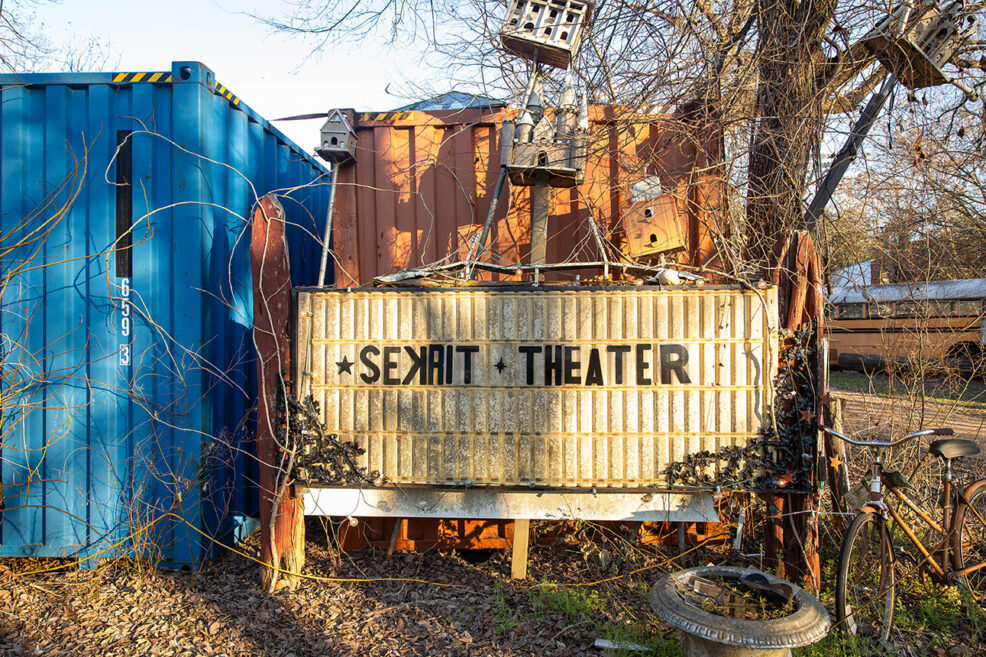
[[128, 367]]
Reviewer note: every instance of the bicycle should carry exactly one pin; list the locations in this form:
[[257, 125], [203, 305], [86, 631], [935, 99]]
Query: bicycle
[[866, 581]]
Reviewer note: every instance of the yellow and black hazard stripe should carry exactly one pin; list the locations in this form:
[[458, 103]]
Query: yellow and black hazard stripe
[[384, 116], [227, 94], [127, 78]]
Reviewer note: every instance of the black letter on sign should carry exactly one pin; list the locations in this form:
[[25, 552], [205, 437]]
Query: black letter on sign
[[593, 372], [619, 350], [417, 365], [674, 357], [530, 351], [572, 366], [552, 365], [448, 365], [389, 365], [364, 357], [642, 365], [436, 363], [468, 350]]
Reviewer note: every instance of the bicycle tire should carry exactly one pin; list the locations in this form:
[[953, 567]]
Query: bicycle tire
[[968, 542], [865, 586]]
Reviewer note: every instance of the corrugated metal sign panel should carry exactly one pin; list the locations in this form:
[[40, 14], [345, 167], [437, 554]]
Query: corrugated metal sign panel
[[554, 387], [128, 373], [424, 181]]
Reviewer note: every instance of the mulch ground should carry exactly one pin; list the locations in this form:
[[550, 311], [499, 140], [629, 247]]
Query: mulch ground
[[114, 609], [470, 608]]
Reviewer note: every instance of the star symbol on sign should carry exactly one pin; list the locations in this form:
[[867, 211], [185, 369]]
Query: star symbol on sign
[[500, 365], [345, 365], [835, 462]]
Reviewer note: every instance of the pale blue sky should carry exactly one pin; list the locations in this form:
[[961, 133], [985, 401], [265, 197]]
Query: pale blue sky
[[268, 71]]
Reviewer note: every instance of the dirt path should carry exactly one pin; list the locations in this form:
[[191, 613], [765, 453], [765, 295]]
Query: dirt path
[[899, 416]]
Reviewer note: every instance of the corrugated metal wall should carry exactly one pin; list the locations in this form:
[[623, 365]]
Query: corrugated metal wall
[[126, 385], [580, 388], [423, 183]]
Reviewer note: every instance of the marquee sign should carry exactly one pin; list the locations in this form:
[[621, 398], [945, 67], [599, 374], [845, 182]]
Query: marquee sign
[[556, 387]]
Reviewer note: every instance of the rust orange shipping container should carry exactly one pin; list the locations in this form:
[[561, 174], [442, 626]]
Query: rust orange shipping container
[[423, 182], [421, 189]]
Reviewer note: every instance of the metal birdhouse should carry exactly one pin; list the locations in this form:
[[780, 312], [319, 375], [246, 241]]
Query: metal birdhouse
[[553, 29], [549, 150], [653, 220], [338, 143], [916, 42]]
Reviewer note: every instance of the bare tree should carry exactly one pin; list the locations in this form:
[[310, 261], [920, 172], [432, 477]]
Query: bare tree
[[26, 45], [777, 74]]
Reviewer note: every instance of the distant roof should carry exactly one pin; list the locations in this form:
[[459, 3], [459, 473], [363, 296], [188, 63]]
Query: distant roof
[[969, 288], [453, 100], [856, 274]]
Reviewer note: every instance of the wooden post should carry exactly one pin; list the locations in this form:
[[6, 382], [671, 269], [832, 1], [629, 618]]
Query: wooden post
[[540, 203], [282, 532], [835, 454], [394, 535], [345, 215], [774, 533], [518, 557]]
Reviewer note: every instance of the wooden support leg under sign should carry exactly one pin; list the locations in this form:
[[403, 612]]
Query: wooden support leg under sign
[[518, 559], [394, 535]]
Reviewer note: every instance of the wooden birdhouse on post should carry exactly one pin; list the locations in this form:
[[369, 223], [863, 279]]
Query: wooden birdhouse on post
[[537, 151], [916, 42], [338, 142], [549, 31], [654, 219]]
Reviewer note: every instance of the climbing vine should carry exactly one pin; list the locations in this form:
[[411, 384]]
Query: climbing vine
[[782, 458]]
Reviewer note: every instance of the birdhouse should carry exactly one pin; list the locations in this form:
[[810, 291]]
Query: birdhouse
[[553, 150], [338, 143], [560, 165], [551, 28], [653, 221], [915, 43], [543, 156]]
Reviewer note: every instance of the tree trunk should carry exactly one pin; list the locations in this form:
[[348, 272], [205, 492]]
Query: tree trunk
[[790, 115], [282, 531]]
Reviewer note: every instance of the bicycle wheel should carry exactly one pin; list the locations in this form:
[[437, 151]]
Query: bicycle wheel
[[864, 589], [969, 539]]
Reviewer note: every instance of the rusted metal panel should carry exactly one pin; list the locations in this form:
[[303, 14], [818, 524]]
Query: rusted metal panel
[[423, 184], [558, 387], [431, 533]]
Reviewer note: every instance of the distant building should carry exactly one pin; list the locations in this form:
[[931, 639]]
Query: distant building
[[860, 273], [453, 100]]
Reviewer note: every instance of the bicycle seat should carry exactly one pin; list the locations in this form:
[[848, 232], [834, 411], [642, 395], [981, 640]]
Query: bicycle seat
[[953, 448]]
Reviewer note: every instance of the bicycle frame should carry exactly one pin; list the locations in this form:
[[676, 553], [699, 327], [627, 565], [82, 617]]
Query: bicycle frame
[[950, 502]]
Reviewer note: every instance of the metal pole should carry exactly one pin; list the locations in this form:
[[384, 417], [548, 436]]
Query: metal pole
[[848, 153], [333, 171], [530, 83], [477, 248], [506, 146]]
